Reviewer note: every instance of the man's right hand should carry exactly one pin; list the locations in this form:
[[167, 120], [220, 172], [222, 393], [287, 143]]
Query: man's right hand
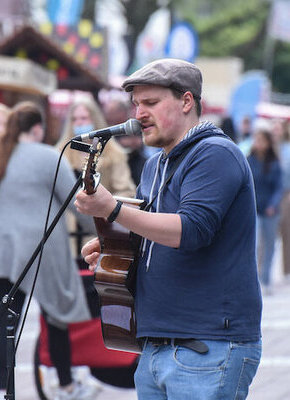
[[91, 253]]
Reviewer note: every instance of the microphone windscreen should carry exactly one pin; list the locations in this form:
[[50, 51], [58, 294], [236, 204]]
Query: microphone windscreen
[[133, 127]]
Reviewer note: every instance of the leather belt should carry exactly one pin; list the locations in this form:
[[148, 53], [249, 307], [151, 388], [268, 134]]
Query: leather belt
[[192, 344]]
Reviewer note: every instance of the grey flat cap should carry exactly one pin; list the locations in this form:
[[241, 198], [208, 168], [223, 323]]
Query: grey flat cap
[[168, 72]]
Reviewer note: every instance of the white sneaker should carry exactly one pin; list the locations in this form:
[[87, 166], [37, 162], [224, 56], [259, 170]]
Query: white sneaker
[[2, 394], [80, 392]]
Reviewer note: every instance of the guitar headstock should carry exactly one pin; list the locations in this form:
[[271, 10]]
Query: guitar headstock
[[91, 178]]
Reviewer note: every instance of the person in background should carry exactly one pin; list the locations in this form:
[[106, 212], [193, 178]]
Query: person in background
[[85, 115], [4, 113], [27, 169], [267, 176], [118, 111], [198, 300], [280, 131], [133, 146], [227, 126], [245, 138]]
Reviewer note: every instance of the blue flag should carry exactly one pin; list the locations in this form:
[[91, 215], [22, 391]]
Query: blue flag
[[64, 12]]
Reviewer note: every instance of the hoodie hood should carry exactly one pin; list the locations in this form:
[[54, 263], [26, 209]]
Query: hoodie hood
[[201, 131]]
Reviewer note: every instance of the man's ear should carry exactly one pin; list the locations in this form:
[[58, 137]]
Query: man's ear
[[188, 102]]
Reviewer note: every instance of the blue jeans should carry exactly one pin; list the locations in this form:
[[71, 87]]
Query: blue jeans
[[171, 372], [267, 229]]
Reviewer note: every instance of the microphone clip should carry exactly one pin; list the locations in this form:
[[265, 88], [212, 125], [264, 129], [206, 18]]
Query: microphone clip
[[80, 146]]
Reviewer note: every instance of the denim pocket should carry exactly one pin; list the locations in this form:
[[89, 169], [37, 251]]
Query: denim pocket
[[212, 361]]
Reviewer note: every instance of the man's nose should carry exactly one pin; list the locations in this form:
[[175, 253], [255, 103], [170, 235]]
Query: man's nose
[[141, 112]]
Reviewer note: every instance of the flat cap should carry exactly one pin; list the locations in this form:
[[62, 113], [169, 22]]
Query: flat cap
[[168, 72]]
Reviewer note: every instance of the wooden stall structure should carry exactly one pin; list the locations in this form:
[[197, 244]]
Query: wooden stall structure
[[42, 63]]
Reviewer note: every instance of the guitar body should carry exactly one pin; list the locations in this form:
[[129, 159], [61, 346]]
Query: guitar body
[[118, 251]]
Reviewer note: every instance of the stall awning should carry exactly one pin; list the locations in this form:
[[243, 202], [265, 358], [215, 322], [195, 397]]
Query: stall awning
[[23, 75], [272, 110]]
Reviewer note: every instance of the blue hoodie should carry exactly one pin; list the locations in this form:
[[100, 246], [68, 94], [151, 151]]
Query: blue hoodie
[[208, 287]]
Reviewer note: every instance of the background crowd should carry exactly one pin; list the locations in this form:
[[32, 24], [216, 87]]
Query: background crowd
[[266, 144]]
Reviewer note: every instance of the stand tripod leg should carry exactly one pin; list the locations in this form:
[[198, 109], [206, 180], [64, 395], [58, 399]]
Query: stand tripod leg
[[12, 319]]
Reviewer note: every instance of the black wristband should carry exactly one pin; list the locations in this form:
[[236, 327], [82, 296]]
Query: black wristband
[[115, 212]]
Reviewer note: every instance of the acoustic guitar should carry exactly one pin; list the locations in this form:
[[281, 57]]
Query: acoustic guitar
[[118, 251]]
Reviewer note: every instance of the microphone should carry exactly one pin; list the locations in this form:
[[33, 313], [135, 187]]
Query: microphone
[[130, 128]]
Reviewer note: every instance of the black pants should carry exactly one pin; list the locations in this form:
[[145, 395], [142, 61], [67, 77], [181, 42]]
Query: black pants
[[58, 341], [59, 351]]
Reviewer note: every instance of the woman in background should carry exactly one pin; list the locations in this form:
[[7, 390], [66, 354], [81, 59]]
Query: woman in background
[[267, 176], [27, 169], [281, 136], [84, 116]]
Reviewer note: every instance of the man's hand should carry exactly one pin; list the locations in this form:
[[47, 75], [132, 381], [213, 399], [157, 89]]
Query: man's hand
[[99, 204], [91, 253]]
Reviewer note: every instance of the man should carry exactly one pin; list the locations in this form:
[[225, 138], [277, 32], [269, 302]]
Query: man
[[198, 301]]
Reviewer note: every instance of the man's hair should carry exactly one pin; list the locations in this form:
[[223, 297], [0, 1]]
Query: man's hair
[[23, 116]]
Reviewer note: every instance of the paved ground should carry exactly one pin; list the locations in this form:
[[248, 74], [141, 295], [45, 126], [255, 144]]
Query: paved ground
[[24, 379], [272, 381]]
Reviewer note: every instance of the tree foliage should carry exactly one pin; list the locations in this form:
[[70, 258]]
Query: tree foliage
[[235, 28], [281, 66], [238, 28]]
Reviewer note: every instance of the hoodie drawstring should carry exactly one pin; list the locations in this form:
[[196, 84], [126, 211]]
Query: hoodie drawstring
[[151, 196], [157, 205]]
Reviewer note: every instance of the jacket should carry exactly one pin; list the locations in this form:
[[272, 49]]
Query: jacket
[[24, 198], [268, 185]]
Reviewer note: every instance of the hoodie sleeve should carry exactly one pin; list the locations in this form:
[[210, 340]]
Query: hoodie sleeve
[[210, 184]]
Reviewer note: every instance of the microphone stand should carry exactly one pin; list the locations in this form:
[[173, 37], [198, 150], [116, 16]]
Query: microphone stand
[[11, 316]]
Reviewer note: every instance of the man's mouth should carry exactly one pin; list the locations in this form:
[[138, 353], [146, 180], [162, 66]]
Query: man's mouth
[[146, 127]]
